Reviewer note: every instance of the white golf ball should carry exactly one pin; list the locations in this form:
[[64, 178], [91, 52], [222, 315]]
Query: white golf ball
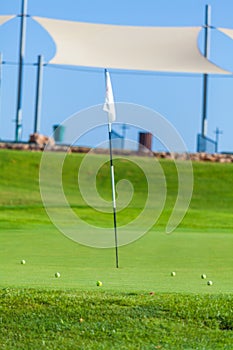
[[57, 275], [209, 283], [173, 273], [23, 262], [203, 276]]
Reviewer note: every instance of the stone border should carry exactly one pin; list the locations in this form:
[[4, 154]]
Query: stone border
[[199, 157]]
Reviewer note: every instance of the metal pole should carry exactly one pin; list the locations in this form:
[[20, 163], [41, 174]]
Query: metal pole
[[109, 107], [0, 78], [0, 70], [124, 127], [205, 77], [216, 140], [113, 193], [38, 93], [18, 121], [217, 133]]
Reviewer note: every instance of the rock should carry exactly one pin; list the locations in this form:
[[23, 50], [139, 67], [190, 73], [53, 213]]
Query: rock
[[41, 140]]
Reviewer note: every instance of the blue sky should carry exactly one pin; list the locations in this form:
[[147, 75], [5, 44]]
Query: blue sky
[[67, 90]]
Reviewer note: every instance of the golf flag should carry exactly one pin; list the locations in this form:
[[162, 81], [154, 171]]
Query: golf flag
[[109, 99], [109, 107]]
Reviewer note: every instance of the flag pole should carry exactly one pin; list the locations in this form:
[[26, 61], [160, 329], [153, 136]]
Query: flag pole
[[110, 108], [113, 192]]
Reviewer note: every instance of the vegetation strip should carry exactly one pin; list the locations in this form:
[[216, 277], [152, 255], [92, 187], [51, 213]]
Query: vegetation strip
[[99, 320]]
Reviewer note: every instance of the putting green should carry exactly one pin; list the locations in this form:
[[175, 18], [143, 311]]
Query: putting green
[[202, 243], [145, 265]]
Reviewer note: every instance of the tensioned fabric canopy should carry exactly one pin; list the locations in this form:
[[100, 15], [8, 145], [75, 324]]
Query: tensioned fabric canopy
[[227, 31], [4, 19], [166, 49]]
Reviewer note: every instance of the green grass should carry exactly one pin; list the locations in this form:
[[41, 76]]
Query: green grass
[[144, 265], [40, 311], [99, 320], [20, 194]]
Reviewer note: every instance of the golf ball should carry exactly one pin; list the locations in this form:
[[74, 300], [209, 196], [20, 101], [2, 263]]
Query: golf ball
[[57, 275], [209, 283], [23, 262], [203, 276], [173, 273], [99, 283]]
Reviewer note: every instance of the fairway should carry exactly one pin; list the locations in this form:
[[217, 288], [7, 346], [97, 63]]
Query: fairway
[[202, 244]]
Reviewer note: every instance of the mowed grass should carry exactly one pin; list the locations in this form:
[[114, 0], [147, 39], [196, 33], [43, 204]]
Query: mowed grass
[[182, 312], [34, 319], [144, 265]]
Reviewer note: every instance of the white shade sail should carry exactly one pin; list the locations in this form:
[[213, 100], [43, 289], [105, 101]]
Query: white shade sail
[[166, 49], [227, 31], [4, 19]]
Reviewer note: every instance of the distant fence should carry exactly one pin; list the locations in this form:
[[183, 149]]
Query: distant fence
[[205, 144]]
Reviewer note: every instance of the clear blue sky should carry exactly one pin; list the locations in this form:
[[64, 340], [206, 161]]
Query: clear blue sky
[[178, 97]]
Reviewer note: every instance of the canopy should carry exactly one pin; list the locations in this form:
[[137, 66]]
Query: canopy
[[166, 49], [227, 31], [4, 19]]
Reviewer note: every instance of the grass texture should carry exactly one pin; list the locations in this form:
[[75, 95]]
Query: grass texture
[[140, 305], [97, 320]]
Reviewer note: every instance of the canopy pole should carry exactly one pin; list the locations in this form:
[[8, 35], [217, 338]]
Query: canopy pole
[[18, 121], [1, 62], [205, 76], [38, 94]]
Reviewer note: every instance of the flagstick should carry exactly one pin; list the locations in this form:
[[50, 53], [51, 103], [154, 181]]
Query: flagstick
[[109, 107], [113, 191]]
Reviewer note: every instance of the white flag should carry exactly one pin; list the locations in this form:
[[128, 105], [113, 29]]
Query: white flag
[[109, 99]]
